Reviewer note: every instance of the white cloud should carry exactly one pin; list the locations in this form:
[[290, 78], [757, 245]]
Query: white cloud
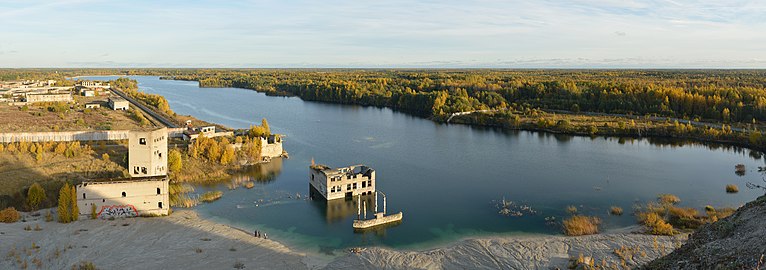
[[384, 33]]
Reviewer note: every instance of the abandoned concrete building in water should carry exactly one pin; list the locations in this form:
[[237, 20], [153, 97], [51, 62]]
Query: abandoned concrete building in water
[[144, 193], [345, 182]]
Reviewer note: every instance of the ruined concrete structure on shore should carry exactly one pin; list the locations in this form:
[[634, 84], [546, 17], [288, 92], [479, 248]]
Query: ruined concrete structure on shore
[[130, 197], [271, 146], [145, 193], [147, 153], [342, 182]]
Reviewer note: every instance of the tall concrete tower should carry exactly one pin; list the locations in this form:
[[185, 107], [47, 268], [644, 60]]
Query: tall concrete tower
[[148, 153]]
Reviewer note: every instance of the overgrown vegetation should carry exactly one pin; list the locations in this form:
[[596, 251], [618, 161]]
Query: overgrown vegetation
[[665, 218], [581, 225], [732, 188]]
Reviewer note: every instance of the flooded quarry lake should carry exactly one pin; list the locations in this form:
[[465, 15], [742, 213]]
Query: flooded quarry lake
[[449, 180]]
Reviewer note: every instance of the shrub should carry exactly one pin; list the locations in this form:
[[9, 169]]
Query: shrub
[[668, 199], [615, 210], [581, 225], [732, 188], [84, 265], [35, 196], [249, 184], [9, 215], [655, 224], [211, 196], [93, 213], [571, 209], [48, 216]]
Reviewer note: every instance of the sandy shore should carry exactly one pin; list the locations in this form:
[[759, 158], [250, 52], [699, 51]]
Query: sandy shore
[[183, 240], [179, 241]]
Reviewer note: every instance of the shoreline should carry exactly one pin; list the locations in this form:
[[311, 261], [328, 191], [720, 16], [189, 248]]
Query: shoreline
[[186, 240]]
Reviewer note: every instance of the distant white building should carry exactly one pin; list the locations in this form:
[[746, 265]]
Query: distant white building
[[94, 84], [32, 98], [118, 103]]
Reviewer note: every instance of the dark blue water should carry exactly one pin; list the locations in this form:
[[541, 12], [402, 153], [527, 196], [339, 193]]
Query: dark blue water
[[447, 179]]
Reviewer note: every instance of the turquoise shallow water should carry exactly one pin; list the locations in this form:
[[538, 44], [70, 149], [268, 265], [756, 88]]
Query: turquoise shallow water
[[447, 179]]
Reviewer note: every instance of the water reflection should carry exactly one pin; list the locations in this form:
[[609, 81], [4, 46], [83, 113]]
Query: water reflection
[[261, 173], [339, 209]]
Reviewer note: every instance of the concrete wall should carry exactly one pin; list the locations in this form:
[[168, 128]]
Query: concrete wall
[[140, 198], [148, 151], [68, 136], [64, 136]]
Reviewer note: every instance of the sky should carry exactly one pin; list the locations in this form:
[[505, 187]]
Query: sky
[[384, 33]]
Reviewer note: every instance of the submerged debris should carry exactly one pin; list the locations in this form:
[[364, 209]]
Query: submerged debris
[[510, 208], [739, 169]]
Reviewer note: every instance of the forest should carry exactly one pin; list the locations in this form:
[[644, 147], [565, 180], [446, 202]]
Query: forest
[[718, 95], [521, 99]]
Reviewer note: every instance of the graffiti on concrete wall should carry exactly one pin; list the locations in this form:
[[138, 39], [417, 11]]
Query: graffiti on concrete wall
[[115, 211]]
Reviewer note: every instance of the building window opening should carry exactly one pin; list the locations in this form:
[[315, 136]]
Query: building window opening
[[83, 195], [135, 170], [103, 200], [142, 141], [364, 184], [124, 195], [159, 204]]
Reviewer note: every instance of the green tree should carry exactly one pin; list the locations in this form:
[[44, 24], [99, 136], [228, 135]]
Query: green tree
[[228, 154], [65, 204], [265, 126], [75, 210], [174, 161], [35, 196], [93, 213]]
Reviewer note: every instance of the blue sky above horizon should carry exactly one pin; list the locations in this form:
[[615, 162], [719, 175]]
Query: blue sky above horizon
[[392, 33]]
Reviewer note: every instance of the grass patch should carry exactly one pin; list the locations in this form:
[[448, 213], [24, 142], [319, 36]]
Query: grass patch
[[615, 210], [581, 225], [571, 209], [211, 196], [84, 265], [732, 188]]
